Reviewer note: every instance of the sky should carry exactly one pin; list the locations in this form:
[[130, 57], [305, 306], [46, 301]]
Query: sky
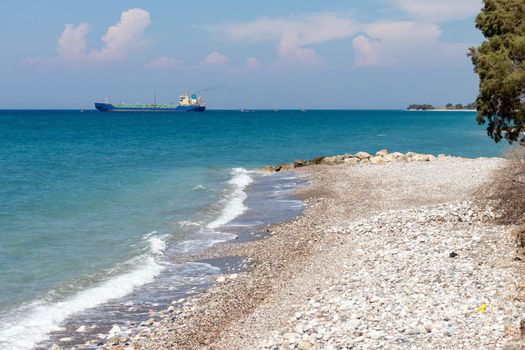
[[314, 54]]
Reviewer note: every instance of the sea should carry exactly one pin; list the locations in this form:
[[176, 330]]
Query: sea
[[98, 210]]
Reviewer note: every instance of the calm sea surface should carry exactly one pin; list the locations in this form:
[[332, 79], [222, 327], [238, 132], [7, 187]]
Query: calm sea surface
[[88, 197]]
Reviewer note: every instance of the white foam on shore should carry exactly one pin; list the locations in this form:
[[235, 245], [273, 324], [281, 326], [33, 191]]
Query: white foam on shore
[[33, 324], [234, 205], [157, 245]]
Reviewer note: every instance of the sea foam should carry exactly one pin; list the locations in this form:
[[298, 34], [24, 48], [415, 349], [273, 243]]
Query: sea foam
[[234, 204], [35, 321]]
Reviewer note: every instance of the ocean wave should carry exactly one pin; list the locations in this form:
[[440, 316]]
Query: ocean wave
[[188, 223], [34, 322], [206, 240], [234, 203]]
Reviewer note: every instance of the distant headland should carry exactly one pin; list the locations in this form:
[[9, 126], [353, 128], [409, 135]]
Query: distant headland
[[448, 107]]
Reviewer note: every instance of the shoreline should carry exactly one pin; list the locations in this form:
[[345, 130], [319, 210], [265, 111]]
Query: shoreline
[[186, 272], [277, 302]]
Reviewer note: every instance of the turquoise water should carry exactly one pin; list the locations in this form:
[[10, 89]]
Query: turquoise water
[[86, 197]]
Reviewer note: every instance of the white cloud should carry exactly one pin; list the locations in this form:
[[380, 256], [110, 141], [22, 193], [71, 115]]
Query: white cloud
[[293, 35], [72, 43], [290, 49], [164, 63], [215, 59], [366, 52], [440, 10], [124, 36], [251, 64], [404, 43], [119, 40]]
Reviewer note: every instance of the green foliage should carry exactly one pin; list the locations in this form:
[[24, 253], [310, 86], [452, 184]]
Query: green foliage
[[500, 64], [471, 105], [423, 107]]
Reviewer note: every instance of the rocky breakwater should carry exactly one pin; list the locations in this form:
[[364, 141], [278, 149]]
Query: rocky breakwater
[[381, 157]]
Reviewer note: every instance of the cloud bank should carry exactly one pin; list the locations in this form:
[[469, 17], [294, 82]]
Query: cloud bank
[[404, 43], [294, 35], [119, 41]]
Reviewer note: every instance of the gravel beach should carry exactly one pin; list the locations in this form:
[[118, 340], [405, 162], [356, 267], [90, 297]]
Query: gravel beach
[[385, 256]]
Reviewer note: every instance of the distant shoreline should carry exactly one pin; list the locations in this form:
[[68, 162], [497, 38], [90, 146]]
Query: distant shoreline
[[442, 110]]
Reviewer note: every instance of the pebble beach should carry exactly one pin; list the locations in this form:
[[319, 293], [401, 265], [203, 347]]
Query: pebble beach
[[388, 254]]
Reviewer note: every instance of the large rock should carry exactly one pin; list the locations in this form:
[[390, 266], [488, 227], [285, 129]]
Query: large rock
[[420, 158], [351, 161], [431, 158], [442, 157], [315, 161], [299, 163], [363, 155], [283, 167], [389, 158], [333, 160], [382, 153], [398, 156], [267, 169], [377, 160]]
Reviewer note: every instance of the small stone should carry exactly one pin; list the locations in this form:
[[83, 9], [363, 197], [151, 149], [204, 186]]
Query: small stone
[[412, 330], [233, 276], [377, 334], [422, 329], [448, 330], [359, 339], [115, 330], [453, 255], [55, 347], [65, 339], [81, 329], [221, 279], [305, 345]]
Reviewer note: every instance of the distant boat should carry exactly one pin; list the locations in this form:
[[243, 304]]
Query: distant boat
[[187, 103]]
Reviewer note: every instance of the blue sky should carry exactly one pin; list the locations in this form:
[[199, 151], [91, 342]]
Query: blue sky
[[242, 53]]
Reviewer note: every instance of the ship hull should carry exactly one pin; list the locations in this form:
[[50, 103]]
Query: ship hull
[[108, 107]]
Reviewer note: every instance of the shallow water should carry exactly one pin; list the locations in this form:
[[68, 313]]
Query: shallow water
[[93, 205]]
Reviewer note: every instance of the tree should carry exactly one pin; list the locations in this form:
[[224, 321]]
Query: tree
[[500, 64], [458, 106], [449, 106]]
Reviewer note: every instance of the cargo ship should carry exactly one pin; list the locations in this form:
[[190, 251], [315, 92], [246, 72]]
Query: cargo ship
[[187, 103]]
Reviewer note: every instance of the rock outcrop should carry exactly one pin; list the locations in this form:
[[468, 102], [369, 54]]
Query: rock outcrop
[[363, 158]]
